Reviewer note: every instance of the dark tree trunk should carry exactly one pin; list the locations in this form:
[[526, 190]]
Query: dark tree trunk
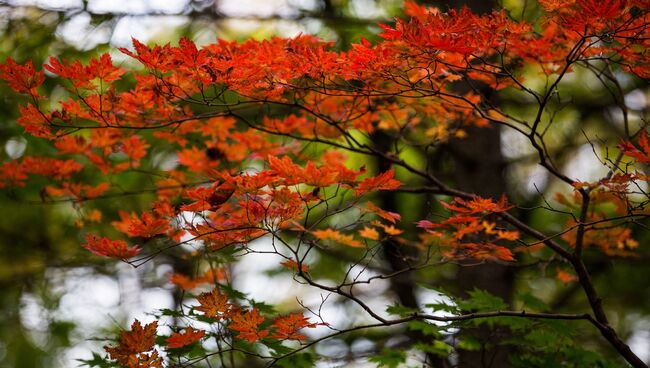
[[479, 168], [400, 257], [477, 6]]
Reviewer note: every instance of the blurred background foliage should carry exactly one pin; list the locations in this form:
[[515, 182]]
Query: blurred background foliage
[[50, 311]]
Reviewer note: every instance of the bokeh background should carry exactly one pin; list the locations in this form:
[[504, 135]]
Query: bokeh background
[[58, 303]]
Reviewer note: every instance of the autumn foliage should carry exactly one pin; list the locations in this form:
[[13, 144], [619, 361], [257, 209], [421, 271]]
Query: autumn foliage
[[272, 139]]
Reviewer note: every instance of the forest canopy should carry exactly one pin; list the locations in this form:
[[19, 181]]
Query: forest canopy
[[468, 188]]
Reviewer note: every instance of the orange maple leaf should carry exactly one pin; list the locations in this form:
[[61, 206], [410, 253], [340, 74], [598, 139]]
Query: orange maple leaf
[[187, 283], [293, 174], [103, 69], [386, 215], [641, 154], [565, 276], [553, 5], [293, 265], [508, 235], [208, 198], [105, 247], [384, 181], [131, 343], [71, 144], [369, 233], [329, 234], [12, 173], [391, 230], [477, 205], [213, 275], [78, 191], [135, 148], [246, 323], [479, 251], [190, 336], [58, 169], [146, 226], [470, 228], [182, 281], [21, 78], [214, 304], [35, 122], [288, 326], [94, 215]]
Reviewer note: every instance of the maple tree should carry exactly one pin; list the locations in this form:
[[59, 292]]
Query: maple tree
[[278, 141]]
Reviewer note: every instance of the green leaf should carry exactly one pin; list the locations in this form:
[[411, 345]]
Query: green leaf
[[231, 292], [532, 302], [428, 329], [303, 360], [389, 358], [469, 343], [400, 310], [171, 313], [262, 307], [482, 301], [96, 361], [437, 347], [277, 347], [445, 307]]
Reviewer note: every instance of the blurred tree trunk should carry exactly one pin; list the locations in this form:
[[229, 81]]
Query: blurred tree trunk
[[477, 6], [478, 167], [399, 257]]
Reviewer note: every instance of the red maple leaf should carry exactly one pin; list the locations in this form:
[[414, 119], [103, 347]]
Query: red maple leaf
[[35, 122], [103, 69], [21, 78], [641, 154]]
